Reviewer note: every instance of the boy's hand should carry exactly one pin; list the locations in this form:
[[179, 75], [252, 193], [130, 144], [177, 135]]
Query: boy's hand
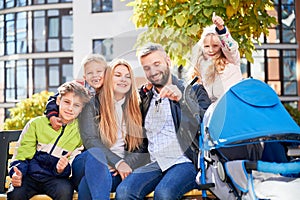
[[218, 21], [124, 170], [55, 122], [16, 179], [63, 162]]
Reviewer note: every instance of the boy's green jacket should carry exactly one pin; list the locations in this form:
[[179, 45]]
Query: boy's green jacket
[[40, 147]]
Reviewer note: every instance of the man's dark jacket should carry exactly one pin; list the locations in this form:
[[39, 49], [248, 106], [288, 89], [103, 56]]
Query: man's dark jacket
[[187, 126]]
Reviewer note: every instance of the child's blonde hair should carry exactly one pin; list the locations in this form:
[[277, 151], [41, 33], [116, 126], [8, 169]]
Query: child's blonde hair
[[93, 57], [216, 66]]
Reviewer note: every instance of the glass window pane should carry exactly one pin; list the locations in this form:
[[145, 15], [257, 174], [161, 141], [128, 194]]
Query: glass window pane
[[39, 79], [53, 61], [21, 2], [104, 47], [21, 79], [53, 27], [2, 35], [96, 5], [10, 33], [273, 69], [21, 33], [10, 94], [67, 26], [38, 1], [257, 68], [53, 45], [290, 87], [67, 44], [272, 53], [276, 85], [2, 81], [53, 1], [53, 13], [106, 5], [9, 3], [244, 68], [39, 32], [54, 76], [10, 80], [289, 65], [101, 5], [67, 73], [10, 48]]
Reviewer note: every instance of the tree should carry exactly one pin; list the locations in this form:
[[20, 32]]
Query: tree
[[26, 110], [178, 24]]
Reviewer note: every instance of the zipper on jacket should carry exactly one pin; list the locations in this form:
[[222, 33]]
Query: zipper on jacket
[[56, 141]]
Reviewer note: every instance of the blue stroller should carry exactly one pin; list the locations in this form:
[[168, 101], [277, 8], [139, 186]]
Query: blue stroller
[[249, 145]]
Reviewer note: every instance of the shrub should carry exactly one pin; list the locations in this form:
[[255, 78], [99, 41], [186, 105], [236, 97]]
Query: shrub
[[295, 113], [25, 110]]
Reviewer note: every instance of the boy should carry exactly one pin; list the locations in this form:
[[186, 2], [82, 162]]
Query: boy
[[94, 67], [41, 163]]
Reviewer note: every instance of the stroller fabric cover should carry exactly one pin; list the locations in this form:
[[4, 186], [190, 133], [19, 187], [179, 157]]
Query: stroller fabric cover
[[249, 110], [250, 114]]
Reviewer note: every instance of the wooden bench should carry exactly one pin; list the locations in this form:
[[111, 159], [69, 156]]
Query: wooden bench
[[7, 146]]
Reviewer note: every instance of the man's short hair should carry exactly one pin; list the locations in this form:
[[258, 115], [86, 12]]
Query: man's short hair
[[149, 48]]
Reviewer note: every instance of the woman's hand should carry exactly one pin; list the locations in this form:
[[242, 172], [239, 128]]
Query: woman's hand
[[124, 170]]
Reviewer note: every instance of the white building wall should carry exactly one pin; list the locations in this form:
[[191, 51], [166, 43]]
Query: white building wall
[[89, 26]]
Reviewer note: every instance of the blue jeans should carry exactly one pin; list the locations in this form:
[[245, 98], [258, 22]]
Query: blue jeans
[[91, 176], [171, 184], [56, 188]]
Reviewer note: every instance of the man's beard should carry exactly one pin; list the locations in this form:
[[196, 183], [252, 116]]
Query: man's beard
[[164, 79]]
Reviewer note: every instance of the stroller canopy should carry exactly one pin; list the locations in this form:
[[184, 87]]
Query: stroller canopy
[[250, 110]]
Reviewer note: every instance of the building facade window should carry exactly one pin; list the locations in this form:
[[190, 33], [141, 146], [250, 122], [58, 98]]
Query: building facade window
[[50, 73], [101, 6], [275, 60], [21, 32], [104, 47], [58, 26], [10, 33], [16, 79], [49, 1], [2, 40]]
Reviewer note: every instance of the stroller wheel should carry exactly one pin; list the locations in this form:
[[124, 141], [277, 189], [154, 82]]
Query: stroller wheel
[[221, 171]]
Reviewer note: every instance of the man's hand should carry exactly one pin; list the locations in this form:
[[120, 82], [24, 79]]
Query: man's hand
[[218, 21], [55, 122], [124, 170], [16, 178], [63, 162], [171, 92]]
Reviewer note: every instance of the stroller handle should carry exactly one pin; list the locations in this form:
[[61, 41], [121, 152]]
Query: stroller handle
[[273, 167]]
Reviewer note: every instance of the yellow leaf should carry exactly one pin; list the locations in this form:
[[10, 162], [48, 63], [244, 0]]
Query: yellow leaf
[[180, 20], [160, 20], [230, 11], [193, 30]]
